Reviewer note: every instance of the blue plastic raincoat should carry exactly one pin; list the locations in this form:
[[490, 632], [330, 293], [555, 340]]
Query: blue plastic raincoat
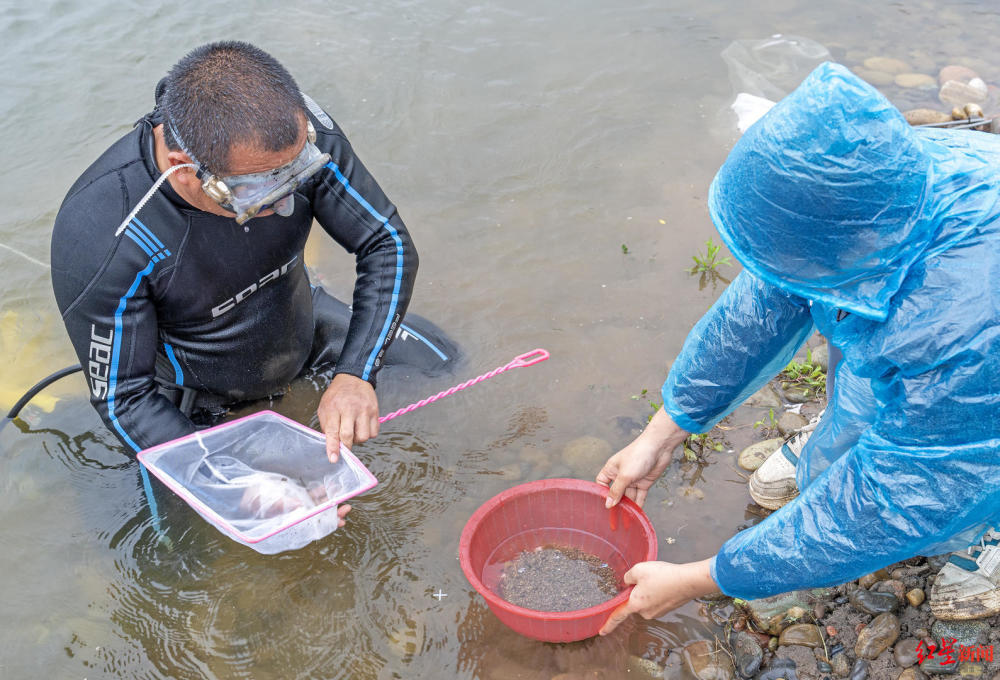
[[887, 239]]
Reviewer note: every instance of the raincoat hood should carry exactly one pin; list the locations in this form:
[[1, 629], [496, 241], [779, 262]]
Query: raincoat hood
[[824, 197]]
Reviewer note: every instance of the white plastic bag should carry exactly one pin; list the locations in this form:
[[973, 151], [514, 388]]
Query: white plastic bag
[[263, 480]]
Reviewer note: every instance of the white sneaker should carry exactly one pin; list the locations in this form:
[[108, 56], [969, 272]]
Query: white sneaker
[[773, 483], [968, 585]]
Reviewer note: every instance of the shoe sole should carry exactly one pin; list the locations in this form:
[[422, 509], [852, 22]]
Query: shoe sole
[[967, 608], [767, 501]]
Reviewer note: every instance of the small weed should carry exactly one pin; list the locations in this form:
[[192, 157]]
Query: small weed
[[655, 405], [767, 425], [624, 249], [703, 443], [806, 376], [710, 261]]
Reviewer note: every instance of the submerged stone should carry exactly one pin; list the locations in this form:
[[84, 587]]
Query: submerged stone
[[586, 453], [916, 80], [887, 64], [707, 663]]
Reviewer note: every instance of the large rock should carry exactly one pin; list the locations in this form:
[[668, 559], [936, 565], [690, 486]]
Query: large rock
[[877, 636]]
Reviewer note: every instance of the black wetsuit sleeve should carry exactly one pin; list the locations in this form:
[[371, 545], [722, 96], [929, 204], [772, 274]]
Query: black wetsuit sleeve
[[104, 294], [352, 208]]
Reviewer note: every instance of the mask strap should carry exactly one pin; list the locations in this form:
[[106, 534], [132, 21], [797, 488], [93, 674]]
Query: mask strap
[[149, 194]]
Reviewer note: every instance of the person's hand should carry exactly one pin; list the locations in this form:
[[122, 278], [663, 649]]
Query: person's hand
[[348, 412], [635, 468], [661, 587]]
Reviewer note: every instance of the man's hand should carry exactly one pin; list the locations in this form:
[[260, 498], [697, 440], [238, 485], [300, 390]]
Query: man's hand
[[348, 412], [661, 587], [635, 468]]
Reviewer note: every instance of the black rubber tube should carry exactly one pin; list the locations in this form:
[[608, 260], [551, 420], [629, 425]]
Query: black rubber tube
[[41, 385]]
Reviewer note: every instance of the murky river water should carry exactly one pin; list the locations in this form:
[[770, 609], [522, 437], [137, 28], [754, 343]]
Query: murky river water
[[525, 144]]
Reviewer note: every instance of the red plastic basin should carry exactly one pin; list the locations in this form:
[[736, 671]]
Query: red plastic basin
[[553, 511]]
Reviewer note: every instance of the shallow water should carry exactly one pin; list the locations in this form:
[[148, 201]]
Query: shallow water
[[525, 144]]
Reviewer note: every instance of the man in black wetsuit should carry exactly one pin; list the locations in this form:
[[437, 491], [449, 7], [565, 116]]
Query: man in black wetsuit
[[200, 297]]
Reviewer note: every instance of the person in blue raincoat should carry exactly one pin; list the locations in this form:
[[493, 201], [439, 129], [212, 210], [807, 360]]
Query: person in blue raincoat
[[887, 239]]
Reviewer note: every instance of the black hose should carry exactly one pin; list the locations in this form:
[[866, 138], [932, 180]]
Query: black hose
[[41, 385]]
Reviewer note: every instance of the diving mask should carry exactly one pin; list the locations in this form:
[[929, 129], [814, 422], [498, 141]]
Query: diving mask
[[247, 195]]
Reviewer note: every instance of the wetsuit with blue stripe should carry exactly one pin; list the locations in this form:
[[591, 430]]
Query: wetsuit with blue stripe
[[188, 297]]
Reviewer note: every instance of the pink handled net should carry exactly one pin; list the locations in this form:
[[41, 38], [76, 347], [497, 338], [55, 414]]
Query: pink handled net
[[529, 359]]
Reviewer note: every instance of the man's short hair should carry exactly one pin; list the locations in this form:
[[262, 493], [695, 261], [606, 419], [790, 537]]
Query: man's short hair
[[228, 93]]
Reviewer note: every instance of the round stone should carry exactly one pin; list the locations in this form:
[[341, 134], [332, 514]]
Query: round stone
[[876, 78], [920, 81], [915, 597], [887, 64], [877, 636], [805, 634], [789, 423], [962, 74], [753, 456], [905, 652]]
